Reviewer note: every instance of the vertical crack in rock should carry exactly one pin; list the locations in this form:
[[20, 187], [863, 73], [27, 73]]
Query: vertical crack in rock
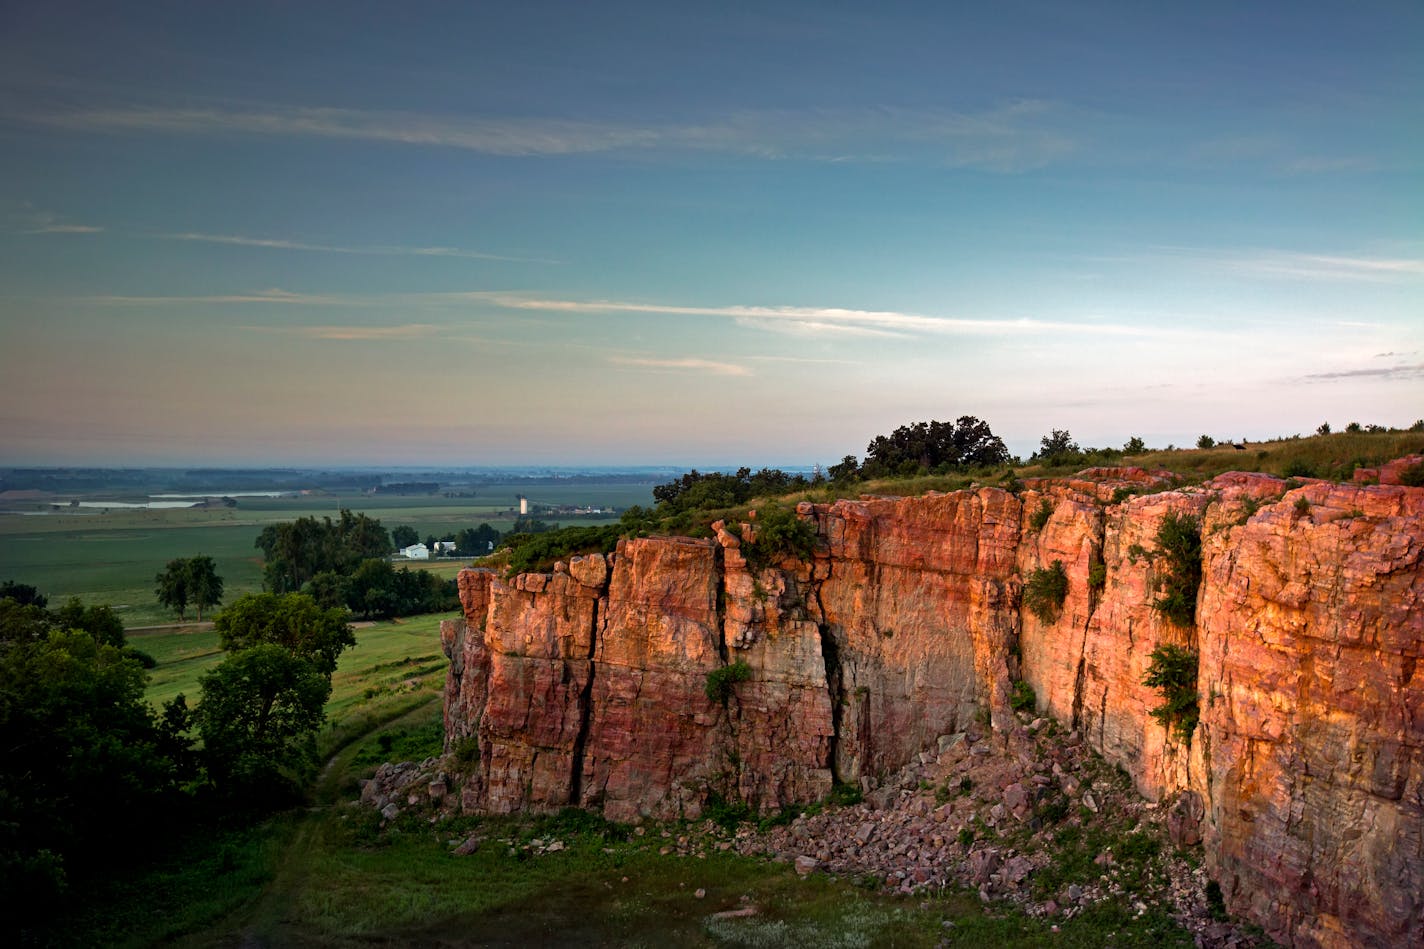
[[720, 607], [1078, 683], [585, 712], [1099, 545], [830, 656]]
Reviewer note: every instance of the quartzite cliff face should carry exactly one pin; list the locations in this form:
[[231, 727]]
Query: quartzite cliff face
[[587, 686]]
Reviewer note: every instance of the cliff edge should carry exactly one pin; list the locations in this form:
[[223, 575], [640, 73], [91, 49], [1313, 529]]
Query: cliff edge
[[675, 672]]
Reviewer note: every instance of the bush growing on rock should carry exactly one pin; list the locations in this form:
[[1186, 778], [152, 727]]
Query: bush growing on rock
[[1173, 673], [1045, 590], [720, 681], [1179, 547]]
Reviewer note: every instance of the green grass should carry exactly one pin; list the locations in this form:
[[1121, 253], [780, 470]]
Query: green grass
[[387, 658]]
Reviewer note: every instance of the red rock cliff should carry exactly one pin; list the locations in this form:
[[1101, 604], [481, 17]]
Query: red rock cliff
[[589, 686]]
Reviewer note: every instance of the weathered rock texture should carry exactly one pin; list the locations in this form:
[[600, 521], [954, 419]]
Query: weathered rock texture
[[1305, 776]]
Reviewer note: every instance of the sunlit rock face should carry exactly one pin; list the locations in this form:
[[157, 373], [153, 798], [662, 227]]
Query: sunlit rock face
[[590, 685]]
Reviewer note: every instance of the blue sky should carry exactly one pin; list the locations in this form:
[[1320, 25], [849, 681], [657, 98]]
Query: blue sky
[[700, 233]]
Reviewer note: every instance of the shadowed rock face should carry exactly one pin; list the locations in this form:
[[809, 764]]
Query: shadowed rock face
[[588, 686]]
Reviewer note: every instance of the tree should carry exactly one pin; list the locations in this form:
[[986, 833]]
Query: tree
[[22, 593], [924, 446], [1134, 446], [85, 770], [293, 621], [476, 541], [258, 718], [188, 580], [1206, 441], [404, 536], [1323, 429], [1057, 447], [205, 587], [295, 552], [172, 589], [99, 621]]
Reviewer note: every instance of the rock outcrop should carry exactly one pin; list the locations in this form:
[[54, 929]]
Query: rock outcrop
[[675, 672]]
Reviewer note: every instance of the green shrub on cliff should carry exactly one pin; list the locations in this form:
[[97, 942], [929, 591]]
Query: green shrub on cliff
[[721, 680], [1179, 550], [1045, 590], [1173, 673], [779, 533]]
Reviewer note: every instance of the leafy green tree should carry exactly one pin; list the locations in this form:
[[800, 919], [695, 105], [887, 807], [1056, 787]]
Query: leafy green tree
[[258, 718], [1323, 429], [476, 541], [99, 621], [22, 593], [934, 446], [205, 587], [85, 768], [847, 470], [1057, 447], [293, 621], [404, 536], [1206, 441], [172, 587], [189, 580], [327, 588], [296, 551], [1134, 446]]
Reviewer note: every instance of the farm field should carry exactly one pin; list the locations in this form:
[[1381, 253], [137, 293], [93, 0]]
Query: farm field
[[112, 556]]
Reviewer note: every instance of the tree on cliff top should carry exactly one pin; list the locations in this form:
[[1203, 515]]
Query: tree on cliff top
[[932, 446]]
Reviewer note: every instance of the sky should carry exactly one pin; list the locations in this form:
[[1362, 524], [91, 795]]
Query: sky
[[700, 233]]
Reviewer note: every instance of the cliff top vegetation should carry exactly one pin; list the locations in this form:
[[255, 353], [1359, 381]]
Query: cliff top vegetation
[[950, 456]]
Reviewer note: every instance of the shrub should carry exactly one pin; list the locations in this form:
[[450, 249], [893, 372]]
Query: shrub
[[1302, 507], [779, 532], [1206, 441], [1045, 591], [1039, 519], [1173, 673], [1413, 476], [1023, 699], [720, 681], [1179, 544], [1097, 575], [1298, 469]]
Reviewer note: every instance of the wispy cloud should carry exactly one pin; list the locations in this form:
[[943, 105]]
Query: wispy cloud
[[1412, 371], [1327, 267], [1275, 264], [376, 250], [683, 364], [1009, 138], [814, 320], [28, 219], [799, 320], [377, 333], [274, 296], [65, 229]]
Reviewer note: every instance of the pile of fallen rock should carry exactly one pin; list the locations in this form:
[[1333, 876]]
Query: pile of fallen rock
[[971, 813]]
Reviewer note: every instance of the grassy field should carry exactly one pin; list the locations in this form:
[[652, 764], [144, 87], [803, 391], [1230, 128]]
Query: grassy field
[[392, 656], [113, 557]]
